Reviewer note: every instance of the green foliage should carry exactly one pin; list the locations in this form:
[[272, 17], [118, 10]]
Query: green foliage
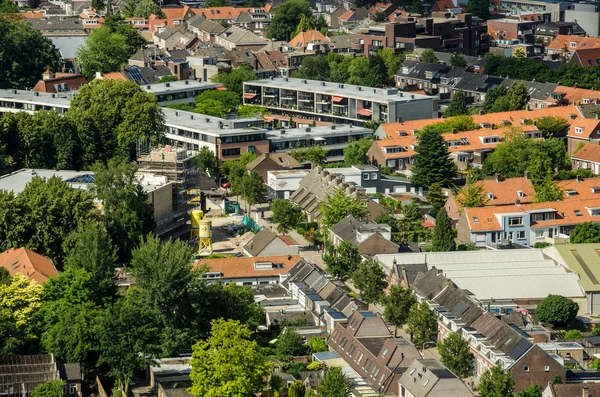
[[235, 172], [456, 355], [457, 105], [443, 235], [207, 162], [316, 366], [228, 363], [572, 174], [8, 7], [429, 56], [287, 17], [103, 52], [217, 103], [297, 389], [557, 380], [587, 232], [432, 163], [422, 324], [370, 279], [409, 226], [211, 107], [169, 78], [436, 197], [541, 245], [51, 388], [556, 310], [234, 80], [459, 123], [392, 61], [317, 345], [531, 391], [493, 95], [551, 126], [339, 205], [110, 117], [20, 300], [286, 215], [496, 383], [518, 96], [253, 188], [26, 53], [313, 154], [343, 261], [335, 384], [217, 3], [370, 72], [145, 8], [356, 152], [397, 304], [479, 8], [125, 203], [289, 344], [249, 111], [458, 60], [573, 334]]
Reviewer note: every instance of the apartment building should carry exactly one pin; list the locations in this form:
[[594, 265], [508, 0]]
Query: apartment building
[[491, 340], [14, 101], [181, 91], [228, 139], [338, 103], [527, 224], [555, 8]]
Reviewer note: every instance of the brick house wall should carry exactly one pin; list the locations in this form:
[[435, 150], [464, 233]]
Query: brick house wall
[[536, 366]]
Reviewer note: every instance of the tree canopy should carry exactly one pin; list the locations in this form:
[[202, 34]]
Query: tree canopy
[[286, 215], [443, 235], [370, 279], [51, 388], [313, 154], [479, 8], [457, 105], [104, 52], [557, 310], [422, 324], [335, 384], [587, 232], [234, 80], [456, 355], [496, 383], [397, 305], [339, 205], [228, 362], [207, 163], [343, 261], [26, 54], [287, 17], [432, 162], [356, 152]]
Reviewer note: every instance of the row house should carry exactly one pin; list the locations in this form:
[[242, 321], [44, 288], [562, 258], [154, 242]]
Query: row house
[[467, 149], [432, 78], [366, 343], [546, 32], [256, 20], [587, 158], [564, 46], [203, 28], [527, 224], [513, 31], [491, 340]]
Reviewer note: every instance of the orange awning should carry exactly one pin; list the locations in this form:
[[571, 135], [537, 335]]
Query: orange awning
[[249, 96], [365, 112], [337, 99]]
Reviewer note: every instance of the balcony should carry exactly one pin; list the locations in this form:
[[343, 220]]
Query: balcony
[[557, 239], [525, 32]]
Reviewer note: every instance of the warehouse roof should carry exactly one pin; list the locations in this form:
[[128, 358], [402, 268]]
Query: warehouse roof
[[583, 259]]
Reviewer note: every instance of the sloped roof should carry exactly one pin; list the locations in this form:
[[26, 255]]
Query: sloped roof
[[377, 244], [205, 25], [245, 267], [34, 266], [589, 152], [562, 40], [73, 82], [303, 38], [241, 36]]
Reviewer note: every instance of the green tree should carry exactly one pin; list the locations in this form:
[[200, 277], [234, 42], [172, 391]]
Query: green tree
[[253, 188], [103, 52], [429, 56], [551, 126], [26, 53], [228, 363], [286, 215], [393, 62], [356, 152], [129, 336], [335, 383], [8, 7], [111, 115], [339, 205], [479, 8], [518, 96], [436, 197], [20, 301], [125, 203], [287, 17], [168, 79], [471, 195], [456, 355], [297, 389], [51, 388], [92, 250], [496, 383], [457, 105], [234, 80], [207, 162], [211, 107], [367, 71], [314, 68], [556, 310], [409, 226], [492, 95], [289, 344], [317, 345], [458, 60], [313, 154], [229, 100], [117, 24], [443, 236], [519, 52], [397, 304], [573, 334], [587, 232], [145, 8], [422, 324], [343, 261], [306, 23], [531, 391], [370, 279], [509, 158], [432, 162], [217, 3]]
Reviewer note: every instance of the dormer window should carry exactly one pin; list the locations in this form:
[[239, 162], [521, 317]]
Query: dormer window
[[596, 190], [476, 220], [571, 192], [490, 196], [573, 44], [520, 194], [579, 130]]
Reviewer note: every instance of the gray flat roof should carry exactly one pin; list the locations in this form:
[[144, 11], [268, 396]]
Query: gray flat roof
[[16, 181], [316, 132], [208, 124], [179, 86], [346, 90], [39, 98]]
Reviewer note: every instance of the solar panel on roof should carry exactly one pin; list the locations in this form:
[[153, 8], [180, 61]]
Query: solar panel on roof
[[87, 178], [520, 349], [461, 307]]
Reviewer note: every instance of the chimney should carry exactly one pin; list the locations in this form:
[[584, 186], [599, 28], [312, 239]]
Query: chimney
[[585, 392], [579, 179], [319, 169], [498, 177], [528, 175]]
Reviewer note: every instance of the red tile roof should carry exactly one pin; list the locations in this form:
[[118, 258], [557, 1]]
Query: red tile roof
[[288, 240], [34, 266], [303, 38], [245, 267], [73, 82], [347, 15], [589, 152], [561, 41]]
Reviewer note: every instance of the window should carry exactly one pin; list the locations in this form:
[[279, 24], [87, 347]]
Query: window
[[480, 237], [539, 233], [568, 354], [573, 44], [520, 193], [579, 130], [251, 149], [368, 364], [231, 152], [515, 221], [476, 220], [521, 235], [72, 388], [359, 358], [374, 176], [490, 196], [366, 177], [547, 368], [526, 369]]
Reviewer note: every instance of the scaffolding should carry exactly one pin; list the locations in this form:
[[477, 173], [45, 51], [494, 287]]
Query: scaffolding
[[179, 166]]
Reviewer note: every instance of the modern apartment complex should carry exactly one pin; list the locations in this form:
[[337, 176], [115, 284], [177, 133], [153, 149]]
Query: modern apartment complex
[[14, 101], [182, 91], [337, 103]]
